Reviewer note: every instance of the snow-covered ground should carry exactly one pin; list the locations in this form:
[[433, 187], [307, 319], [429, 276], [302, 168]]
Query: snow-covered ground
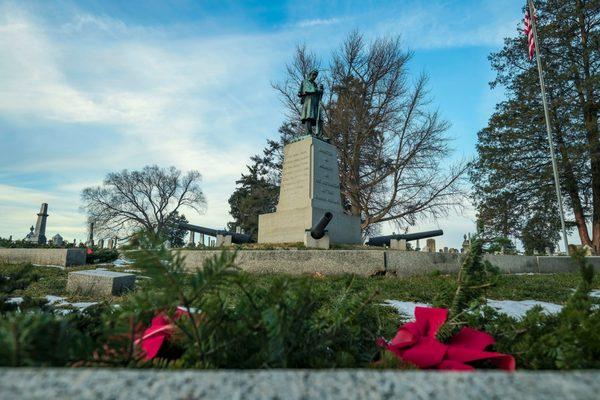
[[59, 302], [122, 262], [518, 308], [514, 308]]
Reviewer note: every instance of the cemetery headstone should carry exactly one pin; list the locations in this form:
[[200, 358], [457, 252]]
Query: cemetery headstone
[[398, 244], [100, 282], [466, 244], [38, 234], [57, 240], [430, 245], [90, 240], [223, 240]]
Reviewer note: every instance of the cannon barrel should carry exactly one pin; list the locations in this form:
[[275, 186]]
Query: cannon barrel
[[318, 231], [385, 240], [237, 238]]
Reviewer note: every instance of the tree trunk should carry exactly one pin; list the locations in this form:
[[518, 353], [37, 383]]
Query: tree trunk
[[590, 114], [572, 190]]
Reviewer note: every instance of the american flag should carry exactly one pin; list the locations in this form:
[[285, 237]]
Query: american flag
[[529, 33]]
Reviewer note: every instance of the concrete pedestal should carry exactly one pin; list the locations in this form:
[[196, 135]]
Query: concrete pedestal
[[310, 187], [223, 240], [398, 244], [313, 243]]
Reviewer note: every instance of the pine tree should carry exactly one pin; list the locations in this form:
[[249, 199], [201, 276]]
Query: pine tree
[[513, 164]]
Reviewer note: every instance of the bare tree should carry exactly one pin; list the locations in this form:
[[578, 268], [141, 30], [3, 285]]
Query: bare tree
[[393, 147], [149, 199]]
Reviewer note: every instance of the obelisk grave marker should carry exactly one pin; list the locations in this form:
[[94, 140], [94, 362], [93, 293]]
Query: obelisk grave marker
[[310, 186]]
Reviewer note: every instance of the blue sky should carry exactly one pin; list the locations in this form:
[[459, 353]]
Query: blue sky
[[89, 87]]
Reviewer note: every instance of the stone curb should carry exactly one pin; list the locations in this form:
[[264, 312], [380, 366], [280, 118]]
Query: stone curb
[[98, 384], [376, 262]]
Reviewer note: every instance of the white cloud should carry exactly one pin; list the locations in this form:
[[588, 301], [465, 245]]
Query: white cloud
[[160, 95], [434, 25], [308, 23], [185, 101]]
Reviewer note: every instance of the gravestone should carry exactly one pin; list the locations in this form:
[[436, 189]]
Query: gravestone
[[223, 240], [398, 244], [38, 234], [466, 244], [430, 244], [57, 240], [100, 282], [90, 240], [310, 187]]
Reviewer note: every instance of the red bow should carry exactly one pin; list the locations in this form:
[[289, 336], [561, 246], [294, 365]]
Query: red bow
[[160, 329], [416, 343]]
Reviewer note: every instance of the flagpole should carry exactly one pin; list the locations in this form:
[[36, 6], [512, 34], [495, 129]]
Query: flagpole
[[532, 16]]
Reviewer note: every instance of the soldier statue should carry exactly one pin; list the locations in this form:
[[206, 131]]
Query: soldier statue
[[310, 97]]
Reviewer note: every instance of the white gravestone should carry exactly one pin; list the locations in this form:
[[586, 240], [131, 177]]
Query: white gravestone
[[310, 186]]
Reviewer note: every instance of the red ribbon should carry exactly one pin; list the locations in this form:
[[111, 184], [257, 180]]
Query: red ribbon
[[416, 343], [160, 330]]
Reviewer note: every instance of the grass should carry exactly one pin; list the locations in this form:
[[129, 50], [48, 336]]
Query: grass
[[49, 281], [435, 289]]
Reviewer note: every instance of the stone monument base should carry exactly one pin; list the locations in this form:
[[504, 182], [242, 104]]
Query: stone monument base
[[288, 226], [312, 243], [310, 187]]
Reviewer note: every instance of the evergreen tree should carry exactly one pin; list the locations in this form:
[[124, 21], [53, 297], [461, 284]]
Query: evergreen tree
[[512, 177], [254, 195], [173, 232]]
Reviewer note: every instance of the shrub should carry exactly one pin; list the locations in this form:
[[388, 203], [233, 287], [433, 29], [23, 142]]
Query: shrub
[[101, 256]]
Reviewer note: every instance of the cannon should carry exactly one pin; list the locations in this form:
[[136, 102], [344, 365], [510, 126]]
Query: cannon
[[318, 231], [385, 240], [237, 238]]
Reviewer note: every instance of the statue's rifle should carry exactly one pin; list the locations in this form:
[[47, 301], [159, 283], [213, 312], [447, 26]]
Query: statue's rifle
[[318, 121]]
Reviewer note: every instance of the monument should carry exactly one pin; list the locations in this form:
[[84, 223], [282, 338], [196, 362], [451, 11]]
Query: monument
[[90, 240], [310, 99], [38, 234], [57, 240], [310, 184]]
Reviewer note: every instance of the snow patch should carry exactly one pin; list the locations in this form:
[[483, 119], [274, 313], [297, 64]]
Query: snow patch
[[55, 300], [513, 308], [122, 262], [15, 300], [518, 308], [405, 307]]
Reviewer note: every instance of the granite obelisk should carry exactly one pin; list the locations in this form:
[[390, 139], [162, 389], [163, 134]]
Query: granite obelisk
[[39, 233]]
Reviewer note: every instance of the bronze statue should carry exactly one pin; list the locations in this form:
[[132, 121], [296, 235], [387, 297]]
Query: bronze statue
[[310, 97]]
